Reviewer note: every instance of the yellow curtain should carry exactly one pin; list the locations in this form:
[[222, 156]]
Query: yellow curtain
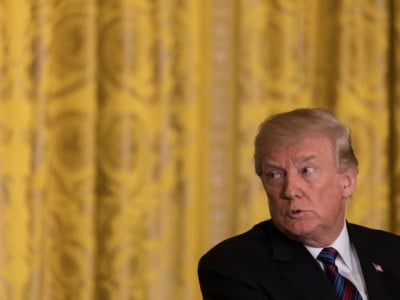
[[126, 130]]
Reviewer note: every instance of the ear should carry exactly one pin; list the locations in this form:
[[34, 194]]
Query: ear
[[348, 181]]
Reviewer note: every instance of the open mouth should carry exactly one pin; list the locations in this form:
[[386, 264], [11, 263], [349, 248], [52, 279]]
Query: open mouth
[[295, 213]]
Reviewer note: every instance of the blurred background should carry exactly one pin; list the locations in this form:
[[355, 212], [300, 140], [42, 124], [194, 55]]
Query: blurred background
[[126, 130]]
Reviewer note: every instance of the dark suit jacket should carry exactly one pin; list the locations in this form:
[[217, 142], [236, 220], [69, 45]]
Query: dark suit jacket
[[264, 264]]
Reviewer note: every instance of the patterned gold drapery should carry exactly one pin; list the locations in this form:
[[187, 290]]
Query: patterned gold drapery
[[126, 130]]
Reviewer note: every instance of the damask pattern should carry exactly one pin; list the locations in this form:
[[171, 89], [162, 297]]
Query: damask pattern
[[126, 131], [394, 138], [362, 97]]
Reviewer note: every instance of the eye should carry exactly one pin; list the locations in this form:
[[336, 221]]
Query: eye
[[273, 175], [307, 170]]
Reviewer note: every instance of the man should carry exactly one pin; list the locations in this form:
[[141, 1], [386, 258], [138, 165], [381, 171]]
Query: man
[[307, 250]]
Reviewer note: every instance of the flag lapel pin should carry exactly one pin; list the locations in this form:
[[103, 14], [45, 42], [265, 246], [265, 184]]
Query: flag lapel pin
[[377, 267]]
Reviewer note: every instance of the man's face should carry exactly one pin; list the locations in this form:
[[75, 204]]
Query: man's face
[[306, 194]]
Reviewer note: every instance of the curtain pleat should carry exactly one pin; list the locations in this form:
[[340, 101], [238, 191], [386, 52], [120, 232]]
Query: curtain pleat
[[363, 103]]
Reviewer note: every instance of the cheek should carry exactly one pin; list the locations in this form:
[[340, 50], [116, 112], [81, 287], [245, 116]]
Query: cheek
[[272, 194], [275, 203], [328, 188], [333, 202]]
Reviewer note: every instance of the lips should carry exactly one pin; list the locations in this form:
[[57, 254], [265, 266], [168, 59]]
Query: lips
[[295, 213]]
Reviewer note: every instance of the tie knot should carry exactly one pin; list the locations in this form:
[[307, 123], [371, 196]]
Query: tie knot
[[328, 255]]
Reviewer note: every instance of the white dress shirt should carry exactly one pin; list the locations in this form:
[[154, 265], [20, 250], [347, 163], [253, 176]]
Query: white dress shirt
[[347, 261]]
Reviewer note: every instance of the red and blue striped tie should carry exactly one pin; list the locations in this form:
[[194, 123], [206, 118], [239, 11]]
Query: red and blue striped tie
[[344, 287]]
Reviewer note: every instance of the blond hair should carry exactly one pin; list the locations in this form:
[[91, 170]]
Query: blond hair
[[290, 127]]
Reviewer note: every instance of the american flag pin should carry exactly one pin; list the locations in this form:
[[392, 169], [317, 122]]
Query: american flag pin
[[377, 267]]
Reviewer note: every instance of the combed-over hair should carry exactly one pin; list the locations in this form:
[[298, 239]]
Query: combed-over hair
[[289, 127]]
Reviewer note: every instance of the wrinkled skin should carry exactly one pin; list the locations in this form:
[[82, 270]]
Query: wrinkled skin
[[306, 193]]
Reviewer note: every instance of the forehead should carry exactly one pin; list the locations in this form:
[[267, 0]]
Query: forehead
[[308, 148]]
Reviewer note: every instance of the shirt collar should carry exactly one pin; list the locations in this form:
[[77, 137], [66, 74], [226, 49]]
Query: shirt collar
[[341, 244]]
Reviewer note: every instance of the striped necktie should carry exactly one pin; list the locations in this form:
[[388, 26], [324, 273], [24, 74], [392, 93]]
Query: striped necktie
[[344, 287]]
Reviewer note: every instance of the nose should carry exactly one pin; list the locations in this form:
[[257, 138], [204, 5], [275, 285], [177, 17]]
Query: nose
[[291, 188]]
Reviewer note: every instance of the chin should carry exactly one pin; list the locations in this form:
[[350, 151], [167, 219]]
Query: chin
[[299, 230]]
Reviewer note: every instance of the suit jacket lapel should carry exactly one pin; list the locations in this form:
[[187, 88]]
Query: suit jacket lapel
[[300, 269], [372, 277]]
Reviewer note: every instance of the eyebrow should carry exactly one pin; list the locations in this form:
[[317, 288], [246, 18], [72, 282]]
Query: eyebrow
[[308, 158], [272, 165], [305, 158]]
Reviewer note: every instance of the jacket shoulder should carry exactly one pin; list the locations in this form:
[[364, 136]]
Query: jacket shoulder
[[363, 231], [374, 239], [251, 240]]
